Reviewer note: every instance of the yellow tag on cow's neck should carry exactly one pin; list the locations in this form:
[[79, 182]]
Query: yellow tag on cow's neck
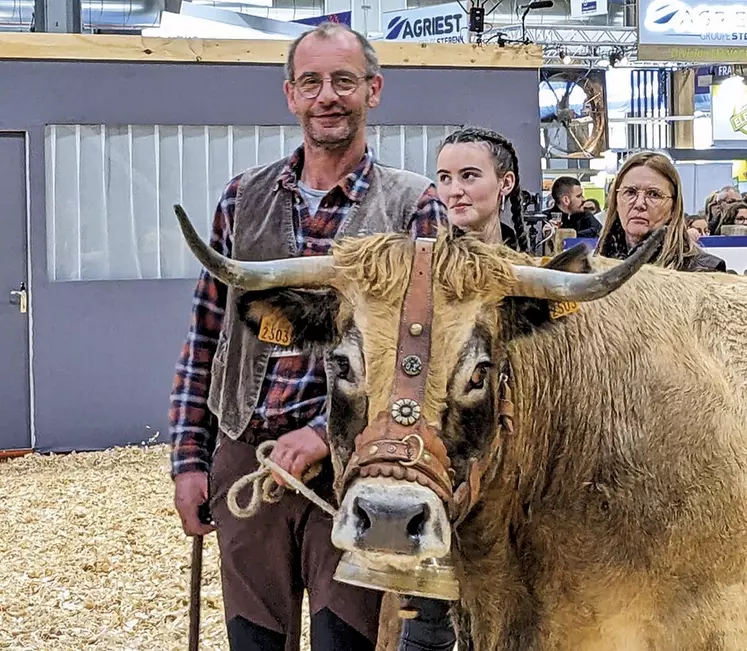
[[275, 329], [563, 308]]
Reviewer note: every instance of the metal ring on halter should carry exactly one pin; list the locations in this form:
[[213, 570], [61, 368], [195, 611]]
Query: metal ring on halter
[[421, 449]]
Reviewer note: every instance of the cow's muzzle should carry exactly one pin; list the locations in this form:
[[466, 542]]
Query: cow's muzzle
[[399, 485], [403, 521]]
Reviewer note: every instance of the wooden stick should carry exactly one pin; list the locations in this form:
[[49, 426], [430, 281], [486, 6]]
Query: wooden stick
[[194, 594]]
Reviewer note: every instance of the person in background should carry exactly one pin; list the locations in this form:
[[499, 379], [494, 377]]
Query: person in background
[[232, 391], [478, 175], [591, 205], [697, 227], [720, 204], [736, 214], [646, 195], [568, 197]]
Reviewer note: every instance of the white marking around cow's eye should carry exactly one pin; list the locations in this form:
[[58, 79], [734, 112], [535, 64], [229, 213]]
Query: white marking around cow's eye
[[349, 350], [463, 391]]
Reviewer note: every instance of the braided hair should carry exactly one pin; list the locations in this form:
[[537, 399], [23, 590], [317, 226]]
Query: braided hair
[[504, 160]]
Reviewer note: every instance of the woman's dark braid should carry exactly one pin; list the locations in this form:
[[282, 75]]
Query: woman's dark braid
[[505, 160], [517, 214]]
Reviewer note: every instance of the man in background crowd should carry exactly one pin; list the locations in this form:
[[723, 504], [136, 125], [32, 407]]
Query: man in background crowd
[[568, 198]]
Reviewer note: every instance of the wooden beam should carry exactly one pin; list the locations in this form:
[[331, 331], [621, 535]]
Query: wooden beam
[[683, 103], [12, 454], [115, 47]]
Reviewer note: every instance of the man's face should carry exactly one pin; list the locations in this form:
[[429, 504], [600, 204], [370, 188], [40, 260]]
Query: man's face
[[574, 200], [329, 120]]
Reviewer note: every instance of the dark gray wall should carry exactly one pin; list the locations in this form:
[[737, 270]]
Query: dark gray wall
[[104, 352]]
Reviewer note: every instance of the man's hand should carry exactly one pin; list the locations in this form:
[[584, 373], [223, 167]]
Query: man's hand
[[296, 451], [191, 490]]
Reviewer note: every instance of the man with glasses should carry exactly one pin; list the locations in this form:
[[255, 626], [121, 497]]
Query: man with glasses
[[233, 391]]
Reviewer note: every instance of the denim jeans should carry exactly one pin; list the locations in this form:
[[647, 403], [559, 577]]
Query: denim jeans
[[431, 630]]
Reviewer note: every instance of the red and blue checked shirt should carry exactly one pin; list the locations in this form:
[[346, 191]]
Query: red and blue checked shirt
[[294, 388]]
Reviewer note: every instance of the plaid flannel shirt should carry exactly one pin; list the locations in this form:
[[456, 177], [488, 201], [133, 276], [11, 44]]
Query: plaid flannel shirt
[[294, 388]]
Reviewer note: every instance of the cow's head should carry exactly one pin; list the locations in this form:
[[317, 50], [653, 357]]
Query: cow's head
[[417, 335]]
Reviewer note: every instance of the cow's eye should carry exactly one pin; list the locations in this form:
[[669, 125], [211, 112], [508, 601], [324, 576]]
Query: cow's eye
[[479, 375], [343, 366]]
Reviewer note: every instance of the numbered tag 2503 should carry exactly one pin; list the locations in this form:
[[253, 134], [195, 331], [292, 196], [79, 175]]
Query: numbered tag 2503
[[275, 329]]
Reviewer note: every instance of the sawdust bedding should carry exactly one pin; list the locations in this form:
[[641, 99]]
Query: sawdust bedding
[[92, 556]]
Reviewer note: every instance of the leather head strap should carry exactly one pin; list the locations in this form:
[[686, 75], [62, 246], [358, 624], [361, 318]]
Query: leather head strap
[[399, 443]]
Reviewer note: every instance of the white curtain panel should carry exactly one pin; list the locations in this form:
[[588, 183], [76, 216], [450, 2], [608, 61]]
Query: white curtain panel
[[110, 190]]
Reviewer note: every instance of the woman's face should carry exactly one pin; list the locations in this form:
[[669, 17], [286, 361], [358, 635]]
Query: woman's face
[[700, 225], [741, 217], [644, 202], [590, 206], [469, 186]]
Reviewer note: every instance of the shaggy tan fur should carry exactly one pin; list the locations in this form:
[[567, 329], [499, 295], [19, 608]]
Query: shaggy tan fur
[[617, 520]]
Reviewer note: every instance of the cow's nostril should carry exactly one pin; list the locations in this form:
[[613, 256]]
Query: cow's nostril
[[362, 520], [416, 524]]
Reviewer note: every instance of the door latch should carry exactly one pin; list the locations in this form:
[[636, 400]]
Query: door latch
[[20, 297]]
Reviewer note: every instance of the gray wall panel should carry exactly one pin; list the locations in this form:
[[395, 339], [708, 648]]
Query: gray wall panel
[[104, 352]]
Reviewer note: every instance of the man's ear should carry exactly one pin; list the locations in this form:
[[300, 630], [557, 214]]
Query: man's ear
[[290, 317], [522, 315]]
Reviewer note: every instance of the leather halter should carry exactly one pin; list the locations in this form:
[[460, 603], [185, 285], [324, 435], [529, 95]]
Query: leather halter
[[399, 443]]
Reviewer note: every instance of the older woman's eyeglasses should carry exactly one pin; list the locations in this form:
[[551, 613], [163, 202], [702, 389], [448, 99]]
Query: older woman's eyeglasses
[[653, 197], [343, 83]]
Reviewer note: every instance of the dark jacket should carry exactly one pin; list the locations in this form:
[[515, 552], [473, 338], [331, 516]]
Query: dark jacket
[[699, 261], [584, 223]]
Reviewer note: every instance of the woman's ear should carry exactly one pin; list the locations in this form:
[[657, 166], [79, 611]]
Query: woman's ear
[[508, 183]]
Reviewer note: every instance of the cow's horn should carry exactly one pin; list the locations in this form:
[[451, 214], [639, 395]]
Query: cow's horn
[[554, 285], [311, 271]]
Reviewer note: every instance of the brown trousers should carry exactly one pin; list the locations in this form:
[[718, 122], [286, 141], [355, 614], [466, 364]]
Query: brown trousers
[[267, 560]]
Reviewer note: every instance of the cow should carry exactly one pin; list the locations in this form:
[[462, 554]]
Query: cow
[[571, 436]]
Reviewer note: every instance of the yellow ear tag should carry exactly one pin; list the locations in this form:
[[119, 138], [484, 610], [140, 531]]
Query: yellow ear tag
[[544, 260], [558, 310], [275, 329]]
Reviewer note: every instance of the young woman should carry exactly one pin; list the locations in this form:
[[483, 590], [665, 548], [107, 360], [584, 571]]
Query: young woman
[[478, 174]]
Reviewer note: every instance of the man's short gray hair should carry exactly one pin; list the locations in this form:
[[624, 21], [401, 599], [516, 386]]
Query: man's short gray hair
[[326, 30]]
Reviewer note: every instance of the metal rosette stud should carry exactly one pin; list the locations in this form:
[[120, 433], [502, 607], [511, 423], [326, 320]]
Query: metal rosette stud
[[405, 411]]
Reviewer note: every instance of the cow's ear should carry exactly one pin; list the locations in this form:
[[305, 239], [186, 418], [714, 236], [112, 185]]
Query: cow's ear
[[300, 319], [523, 315], [577, 260]]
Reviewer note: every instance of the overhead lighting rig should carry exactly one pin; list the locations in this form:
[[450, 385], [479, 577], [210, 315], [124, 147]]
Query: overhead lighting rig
[[502, 39]]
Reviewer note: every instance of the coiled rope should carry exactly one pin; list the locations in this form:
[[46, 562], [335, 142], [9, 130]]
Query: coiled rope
[[266, 489]]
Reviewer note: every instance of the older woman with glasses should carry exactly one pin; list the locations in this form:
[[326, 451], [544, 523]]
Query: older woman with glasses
[[646, 195]]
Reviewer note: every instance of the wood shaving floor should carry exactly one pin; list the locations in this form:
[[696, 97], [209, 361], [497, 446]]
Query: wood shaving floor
[[92, 556]]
